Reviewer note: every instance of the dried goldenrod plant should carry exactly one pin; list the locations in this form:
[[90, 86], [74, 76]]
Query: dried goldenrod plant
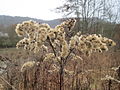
[[35, 35], [27, 65]]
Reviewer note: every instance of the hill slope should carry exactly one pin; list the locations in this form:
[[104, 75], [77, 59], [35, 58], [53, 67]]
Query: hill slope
[[9, 20]]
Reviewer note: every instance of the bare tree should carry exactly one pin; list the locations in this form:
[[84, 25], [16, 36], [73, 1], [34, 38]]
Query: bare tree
[[91, 14]]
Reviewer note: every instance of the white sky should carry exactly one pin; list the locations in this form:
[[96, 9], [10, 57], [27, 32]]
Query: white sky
[[41, 9]]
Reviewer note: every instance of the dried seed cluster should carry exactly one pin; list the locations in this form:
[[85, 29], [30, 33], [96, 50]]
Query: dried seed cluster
[[27, 65], [90, 43], [35, 34]]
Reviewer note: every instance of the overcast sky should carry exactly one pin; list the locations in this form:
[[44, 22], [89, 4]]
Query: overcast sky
[[41, 9]]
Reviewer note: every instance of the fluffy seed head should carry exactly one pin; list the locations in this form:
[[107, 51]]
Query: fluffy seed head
[[27, 65]]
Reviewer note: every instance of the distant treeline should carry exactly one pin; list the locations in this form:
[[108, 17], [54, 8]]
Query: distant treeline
[[8, 37]]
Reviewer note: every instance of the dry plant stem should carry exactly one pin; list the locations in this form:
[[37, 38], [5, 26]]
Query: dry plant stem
[[62, 64], [73, 77], [61, 78], [8, 83], [66, 59], [62, 74], [109, 84], [52, 47]]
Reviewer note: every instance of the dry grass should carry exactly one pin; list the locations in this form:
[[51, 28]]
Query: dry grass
[[86, 75]]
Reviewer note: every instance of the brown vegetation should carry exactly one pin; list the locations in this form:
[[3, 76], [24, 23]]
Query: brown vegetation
[[61, 67], [87, 74]]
